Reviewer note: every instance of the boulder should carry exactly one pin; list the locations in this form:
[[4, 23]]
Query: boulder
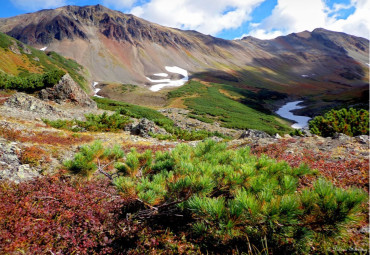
[[251, 133], [29, 103], [145, 127], [10, 166], [67, 90], [363, 139], [341, 137], [277, 136]]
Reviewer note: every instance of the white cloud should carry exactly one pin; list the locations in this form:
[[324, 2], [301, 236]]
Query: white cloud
[[290, 16], [34, 5], [119, 4], [357, 23], [206, 16]]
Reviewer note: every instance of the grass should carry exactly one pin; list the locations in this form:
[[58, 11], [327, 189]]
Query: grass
[[248, 113]]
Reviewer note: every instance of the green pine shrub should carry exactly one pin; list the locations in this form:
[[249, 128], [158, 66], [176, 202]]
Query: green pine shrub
[[351, 122], [32, 82], [85, 161], [235, 198], [93, 123]]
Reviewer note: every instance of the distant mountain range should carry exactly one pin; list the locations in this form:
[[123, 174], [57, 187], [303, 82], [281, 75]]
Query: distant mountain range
[[117, 47]]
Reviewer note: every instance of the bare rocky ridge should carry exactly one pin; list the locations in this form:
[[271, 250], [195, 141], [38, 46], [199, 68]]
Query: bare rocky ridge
[[117, 47]]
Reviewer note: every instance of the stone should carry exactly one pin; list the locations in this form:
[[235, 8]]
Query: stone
[[306, 132], [341, 137], [363, 139], [29, 103], [251, 133], [277, 136], [67, 90], [145, 127], [10, 166]]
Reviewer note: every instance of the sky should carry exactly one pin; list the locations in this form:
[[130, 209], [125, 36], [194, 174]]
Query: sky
[[229, 19]]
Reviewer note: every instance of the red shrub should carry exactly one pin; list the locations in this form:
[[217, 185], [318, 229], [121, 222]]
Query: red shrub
[[54, 215]]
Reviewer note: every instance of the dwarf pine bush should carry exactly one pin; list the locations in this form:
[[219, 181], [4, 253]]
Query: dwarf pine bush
[[351, 122], [93, 123], [235, 198]]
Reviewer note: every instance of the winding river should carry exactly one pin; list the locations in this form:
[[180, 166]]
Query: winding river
[[286, 112]]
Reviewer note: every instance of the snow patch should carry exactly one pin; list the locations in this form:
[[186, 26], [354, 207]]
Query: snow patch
[[161, 74], [168, 82], [286, 112], [96, 90], [305, 75], [44, 48]]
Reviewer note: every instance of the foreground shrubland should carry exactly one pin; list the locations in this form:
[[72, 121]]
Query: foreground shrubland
[[207, 199]]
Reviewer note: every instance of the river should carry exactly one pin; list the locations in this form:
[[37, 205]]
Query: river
[[286, 112]]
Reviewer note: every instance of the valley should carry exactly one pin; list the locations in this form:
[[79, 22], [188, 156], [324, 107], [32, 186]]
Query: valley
[[122, 136]]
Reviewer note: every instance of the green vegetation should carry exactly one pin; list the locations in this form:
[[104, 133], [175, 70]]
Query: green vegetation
[[32, 82], [296, 132], [136, 111], [228, 199], [94, 123], [128, 88], [246, 114], [201, 118], [351, 122], [44, 62], [5, 41]]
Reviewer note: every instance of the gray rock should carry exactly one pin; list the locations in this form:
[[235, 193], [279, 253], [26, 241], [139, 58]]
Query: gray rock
[[10, 165], [341, 137], [215, 138], [251, 133], [277, 136], [145, 127], [306, 132], [364, 139], [28, 103], [67, 90]]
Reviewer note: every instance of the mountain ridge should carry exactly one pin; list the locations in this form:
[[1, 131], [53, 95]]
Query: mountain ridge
[[122, 48]]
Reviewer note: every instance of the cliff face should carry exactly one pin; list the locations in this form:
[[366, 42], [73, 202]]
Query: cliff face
[[117, 47]]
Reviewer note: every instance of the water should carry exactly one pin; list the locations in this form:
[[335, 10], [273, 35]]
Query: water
[[286, 112]]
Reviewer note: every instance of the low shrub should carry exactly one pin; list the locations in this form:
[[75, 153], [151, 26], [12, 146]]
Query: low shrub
[[55, 215], [31, 83], [94, 123], [32, 155], [232, 200], [351, 122], [42, 137]]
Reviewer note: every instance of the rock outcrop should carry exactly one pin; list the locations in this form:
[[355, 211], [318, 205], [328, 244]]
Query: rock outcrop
[[29, 103], [67, 90], [10, 166], [251, 133], [145, 127]]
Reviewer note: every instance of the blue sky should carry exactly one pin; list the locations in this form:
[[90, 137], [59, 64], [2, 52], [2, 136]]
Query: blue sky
[[229, 19]]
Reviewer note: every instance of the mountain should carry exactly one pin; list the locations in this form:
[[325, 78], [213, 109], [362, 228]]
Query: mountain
[[117, 47]]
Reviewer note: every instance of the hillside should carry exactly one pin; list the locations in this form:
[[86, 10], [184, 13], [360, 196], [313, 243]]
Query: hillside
[[20, 60], [115, 47]]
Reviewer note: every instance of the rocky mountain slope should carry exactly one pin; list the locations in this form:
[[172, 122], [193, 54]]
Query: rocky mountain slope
[[117, 47]]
